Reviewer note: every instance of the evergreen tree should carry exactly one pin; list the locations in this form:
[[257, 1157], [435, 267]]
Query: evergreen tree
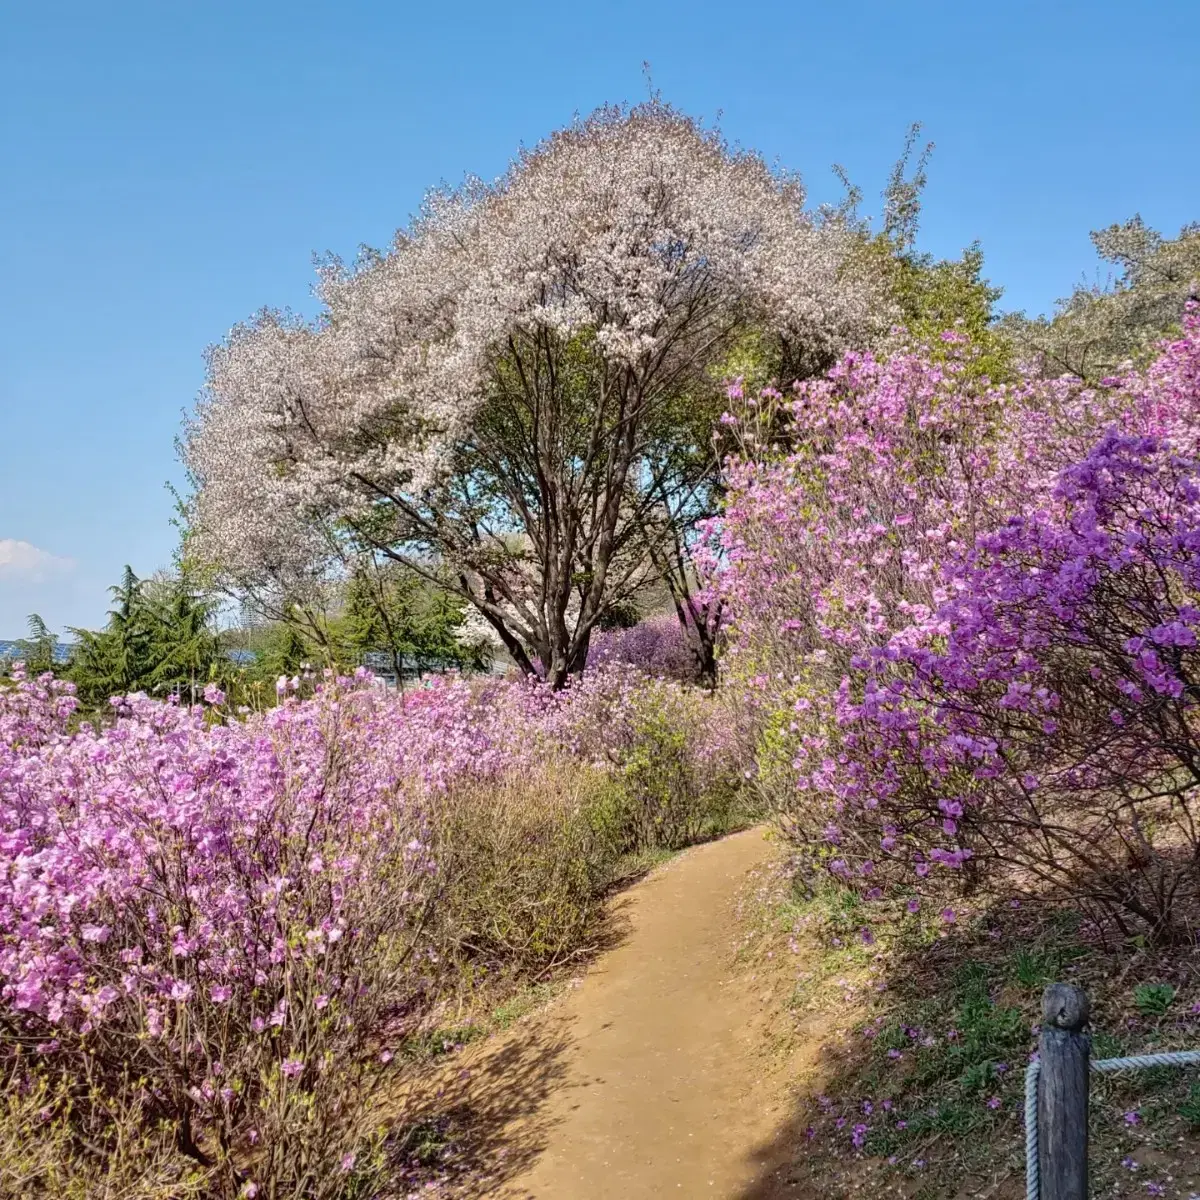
[[158, 639], [392, 610], [37, 650]]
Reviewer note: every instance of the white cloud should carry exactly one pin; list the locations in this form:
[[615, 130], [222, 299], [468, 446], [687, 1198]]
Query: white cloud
[[29, 563]]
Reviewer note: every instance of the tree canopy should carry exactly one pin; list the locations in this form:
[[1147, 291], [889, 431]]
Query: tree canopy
[[159, 639], [1100, 328], [499, 393]]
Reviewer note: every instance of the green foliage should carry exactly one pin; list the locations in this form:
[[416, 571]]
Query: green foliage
[[937, 295], [282, 649], [929, 295], [1190, 1108], [159, 639], [1035, 966], [61, 1143], [1153, 999], [523, 870], [659, 803], [394, 611], [37, 650], [1101, 327], [430, 1044]]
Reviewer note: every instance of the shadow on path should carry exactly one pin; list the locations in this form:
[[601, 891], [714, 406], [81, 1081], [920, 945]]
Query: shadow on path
[[481, 1121]]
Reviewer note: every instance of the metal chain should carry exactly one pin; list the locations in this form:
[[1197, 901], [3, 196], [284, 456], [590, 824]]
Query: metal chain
[[1103, 1066]]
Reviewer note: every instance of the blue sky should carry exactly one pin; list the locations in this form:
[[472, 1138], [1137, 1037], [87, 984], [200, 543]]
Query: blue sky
[[168, 168]]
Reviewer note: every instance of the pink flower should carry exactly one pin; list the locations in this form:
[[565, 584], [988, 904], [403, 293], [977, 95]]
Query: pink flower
[[292, 1067]]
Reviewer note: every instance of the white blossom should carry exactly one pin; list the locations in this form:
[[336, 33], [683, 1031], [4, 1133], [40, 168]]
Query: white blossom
[[636, 231]]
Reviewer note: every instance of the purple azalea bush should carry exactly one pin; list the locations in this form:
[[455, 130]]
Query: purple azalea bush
[[966, 617]]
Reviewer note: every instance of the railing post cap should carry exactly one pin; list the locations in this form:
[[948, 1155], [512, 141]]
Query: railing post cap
[[1065, 1006]]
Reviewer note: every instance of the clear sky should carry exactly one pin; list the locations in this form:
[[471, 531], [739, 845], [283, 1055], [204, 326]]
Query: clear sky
[[168, 168]]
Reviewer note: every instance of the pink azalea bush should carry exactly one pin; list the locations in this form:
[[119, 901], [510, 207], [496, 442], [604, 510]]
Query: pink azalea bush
[[888, 556], [215, 914], [226, 922]]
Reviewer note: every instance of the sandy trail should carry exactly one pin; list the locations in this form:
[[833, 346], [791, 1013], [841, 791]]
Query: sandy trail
[[651, 1077]]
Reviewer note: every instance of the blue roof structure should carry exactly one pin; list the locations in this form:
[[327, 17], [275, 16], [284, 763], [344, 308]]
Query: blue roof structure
[[12, 649]]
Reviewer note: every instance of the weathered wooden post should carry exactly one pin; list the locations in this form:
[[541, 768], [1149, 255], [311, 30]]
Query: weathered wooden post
[[1065, 1051]]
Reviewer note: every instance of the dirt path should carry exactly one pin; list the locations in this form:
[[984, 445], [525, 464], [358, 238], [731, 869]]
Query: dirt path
[[651, 1076]]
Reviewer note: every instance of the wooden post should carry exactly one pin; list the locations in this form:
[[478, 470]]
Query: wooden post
[[1065, 1050]]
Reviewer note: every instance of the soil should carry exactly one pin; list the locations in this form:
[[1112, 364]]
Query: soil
[[655, 1073]]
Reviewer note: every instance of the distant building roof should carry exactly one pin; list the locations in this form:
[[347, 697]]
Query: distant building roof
[[13, 649]]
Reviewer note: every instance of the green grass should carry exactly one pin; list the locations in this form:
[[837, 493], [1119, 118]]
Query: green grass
[[524, 1000], [940, 1021], [436, 1043]]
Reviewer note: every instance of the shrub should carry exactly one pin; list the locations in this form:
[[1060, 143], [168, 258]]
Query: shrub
[[1048, 720], [658, 646], [120, 1155], [981, 652], [214, 927], [522, 867], [215, 919], [673, 752]]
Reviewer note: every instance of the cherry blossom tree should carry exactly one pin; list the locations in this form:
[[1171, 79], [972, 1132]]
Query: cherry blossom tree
[[513, 395]]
